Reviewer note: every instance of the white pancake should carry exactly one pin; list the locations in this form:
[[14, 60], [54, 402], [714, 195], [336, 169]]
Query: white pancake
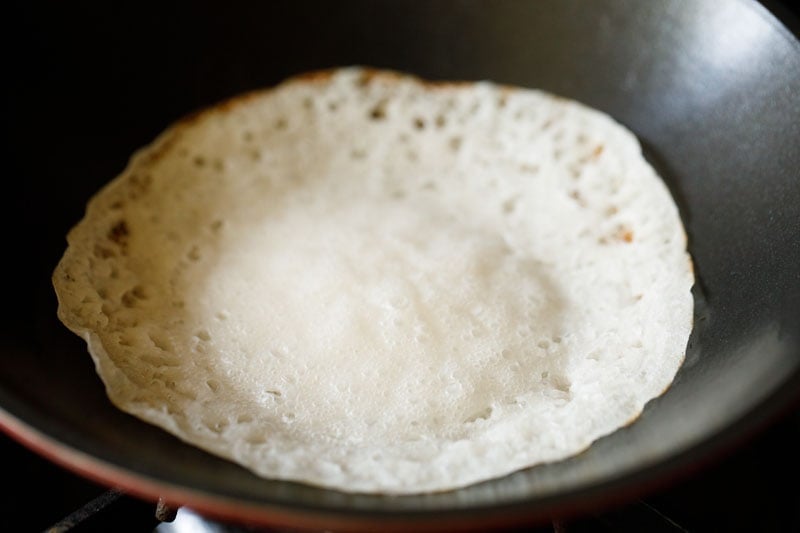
[[364, 281]]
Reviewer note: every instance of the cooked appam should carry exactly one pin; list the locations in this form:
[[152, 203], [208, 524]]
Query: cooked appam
[[373, 283]]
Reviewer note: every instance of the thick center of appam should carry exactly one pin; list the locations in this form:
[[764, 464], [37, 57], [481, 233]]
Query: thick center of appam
[[390, 316]]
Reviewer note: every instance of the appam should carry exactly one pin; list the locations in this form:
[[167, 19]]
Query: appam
[[365, 281]]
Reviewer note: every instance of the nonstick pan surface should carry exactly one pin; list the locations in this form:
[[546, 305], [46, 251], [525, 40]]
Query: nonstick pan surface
[[712, 89]]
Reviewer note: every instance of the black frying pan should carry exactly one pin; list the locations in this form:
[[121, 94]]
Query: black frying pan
[[712, 88]]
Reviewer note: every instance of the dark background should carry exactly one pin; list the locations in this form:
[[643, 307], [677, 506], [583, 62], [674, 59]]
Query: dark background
[[72, 96]]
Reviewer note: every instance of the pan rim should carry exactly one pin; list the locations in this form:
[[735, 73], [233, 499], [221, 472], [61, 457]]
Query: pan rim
[[28, 431], [612, 492]]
